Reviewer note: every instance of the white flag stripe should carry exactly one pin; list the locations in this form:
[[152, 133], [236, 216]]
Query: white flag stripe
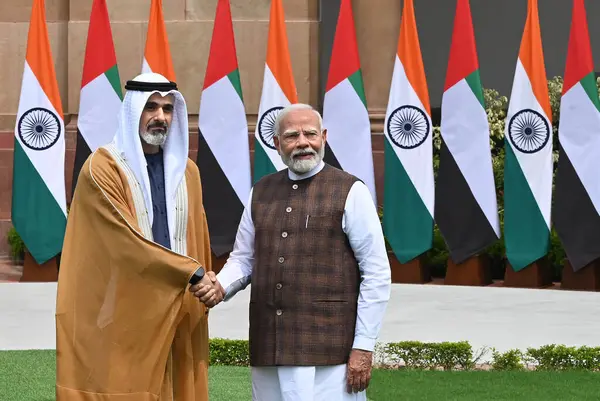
[[537, 167], [579, 136], [272, 96], [145, 66], [223, 125], [349, 132], [98, 101], [44, 161], [465, 132], [417, 162]]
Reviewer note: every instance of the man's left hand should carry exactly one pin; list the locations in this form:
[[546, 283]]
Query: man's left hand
[[359, 370]]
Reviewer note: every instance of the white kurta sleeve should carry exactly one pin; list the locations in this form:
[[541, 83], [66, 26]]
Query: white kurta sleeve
[[363, 228], [237, 271]]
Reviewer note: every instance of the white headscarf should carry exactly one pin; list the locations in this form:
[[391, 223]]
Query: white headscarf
[[175, 150]]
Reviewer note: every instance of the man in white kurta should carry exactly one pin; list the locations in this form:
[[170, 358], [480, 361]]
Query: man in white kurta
[[300, 139]]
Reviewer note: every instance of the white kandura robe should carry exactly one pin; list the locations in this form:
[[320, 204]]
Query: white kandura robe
[[363, 228]]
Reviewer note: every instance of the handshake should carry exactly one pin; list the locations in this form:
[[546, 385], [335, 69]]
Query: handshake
[[208, 290]]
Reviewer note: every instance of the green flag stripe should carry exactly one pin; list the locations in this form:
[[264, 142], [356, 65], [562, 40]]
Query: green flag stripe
[[589, 85], [234, 77], [407, 224], [36, 215], [262, 164], [357, 83], [113, 77], [474, 82], [525, 231]]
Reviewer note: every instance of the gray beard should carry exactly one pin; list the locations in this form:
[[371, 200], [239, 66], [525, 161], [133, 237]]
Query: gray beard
[[154, 139], [303, 166]]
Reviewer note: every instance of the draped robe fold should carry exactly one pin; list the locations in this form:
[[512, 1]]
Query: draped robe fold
[[127, 328]]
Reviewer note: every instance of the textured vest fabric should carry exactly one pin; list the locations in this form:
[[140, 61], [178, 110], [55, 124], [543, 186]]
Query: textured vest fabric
[[305, 280]]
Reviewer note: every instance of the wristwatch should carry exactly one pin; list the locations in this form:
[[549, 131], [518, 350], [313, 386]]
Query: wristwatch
[[198, 275]]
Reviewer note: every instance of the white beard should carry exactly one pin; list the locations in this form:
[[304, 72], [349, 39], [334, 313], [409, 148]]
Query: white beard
[[303, 166], [156, 139]]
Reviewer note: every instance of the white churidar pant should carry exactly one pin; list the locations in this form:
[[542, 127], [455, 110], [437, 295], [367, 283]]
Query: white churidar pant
[[302, 383]]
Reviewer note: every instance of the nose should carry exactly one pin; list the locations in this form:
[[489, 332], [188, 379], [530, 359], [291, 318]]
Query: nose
[[160, 115], [302, 141]]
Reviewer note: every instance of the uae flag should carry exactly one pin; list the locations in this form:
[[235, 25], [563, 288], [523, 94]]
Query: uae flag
[[100, 97], [223, 149], [38, 192], [465, 200], [528, 153], [157, 53], [408, 199], [345, 114], [577, 193], [278, 91]]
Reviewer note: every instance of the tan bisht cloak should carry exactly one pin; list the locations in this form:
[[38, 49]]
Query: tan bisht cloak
[[127, 327]]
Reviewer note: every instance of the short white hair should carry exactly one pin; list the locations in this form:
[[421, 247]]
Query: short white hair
[[296, 106]]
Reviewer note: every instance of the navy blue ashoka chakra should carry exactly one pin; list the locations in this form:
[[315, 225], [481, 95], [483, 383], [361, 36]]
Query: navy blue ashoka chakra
[[408, 127], [528, 131], [39, 128], [266, 126]]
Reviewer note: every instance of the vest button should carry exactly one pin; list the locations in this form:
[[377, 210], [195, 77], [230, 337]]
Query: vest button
[[279, 312], [281, 259], [288, 209], [295, 186], [284, 234], [278, 286]]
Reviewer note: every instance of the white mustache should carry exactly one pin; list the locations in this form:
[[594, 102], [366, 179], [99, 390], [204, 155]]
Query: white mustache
[[303, 152]]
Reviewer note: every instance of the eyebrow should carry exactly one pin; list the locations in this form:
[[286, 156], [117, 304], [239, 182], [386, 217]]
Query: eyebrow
[[310, 130], [155, 104]]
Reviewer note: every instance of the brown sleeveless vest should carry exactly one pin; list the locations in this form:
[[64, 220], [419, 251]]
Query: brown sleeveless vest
[[305, 280]]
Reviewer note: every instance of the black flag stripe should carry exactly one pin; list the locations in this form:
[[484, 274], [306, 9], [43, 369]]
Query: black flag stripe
[[82, 152], [575, 218], [461, 220], [221, 203]]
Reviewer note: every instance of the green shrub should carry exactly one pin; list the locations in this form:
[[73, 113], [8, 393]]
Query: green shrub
[[17, 247], [229, 352], [418, 355], [412, 354], [451, 356], [561, 357], [509, 360]]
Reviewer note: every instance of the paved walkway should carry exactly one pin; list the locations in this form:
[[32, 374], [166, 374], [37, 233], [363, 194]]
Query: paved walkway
[[504, 318], [9, 272]]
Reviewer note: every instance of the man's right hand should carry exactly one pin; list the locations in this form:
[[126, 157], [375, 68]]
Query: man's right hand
[[209, 291]]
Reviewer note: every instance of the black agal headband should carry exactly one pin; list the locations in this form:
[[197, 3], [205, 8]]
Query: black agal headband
[[150, 86]]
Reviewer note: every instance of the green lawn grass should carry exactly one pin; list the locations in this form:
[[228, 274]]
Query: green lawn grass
[[29, 376]]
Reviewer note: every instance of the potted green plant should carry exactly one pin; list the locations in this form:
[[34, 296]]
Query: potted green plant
[[17, 247]]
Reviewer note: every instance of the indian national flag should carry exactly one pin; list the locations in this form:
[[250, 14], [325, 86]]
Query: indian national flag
[[157, 54], [38, 194], [223, 149], [345, 114], [577, 193], [279, 91], [528, 148], [465, 200], [408, 199], [101, 95]]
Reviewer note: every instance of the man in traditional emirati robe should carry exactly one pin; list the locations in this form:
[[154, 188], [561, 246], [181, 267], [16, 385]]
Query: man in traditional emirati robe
[[127, 328], [311, 244]]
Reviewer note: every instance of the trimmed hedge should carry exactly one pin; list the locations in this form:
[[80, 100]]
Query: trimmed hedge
[[229, 352], [418, 355]]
